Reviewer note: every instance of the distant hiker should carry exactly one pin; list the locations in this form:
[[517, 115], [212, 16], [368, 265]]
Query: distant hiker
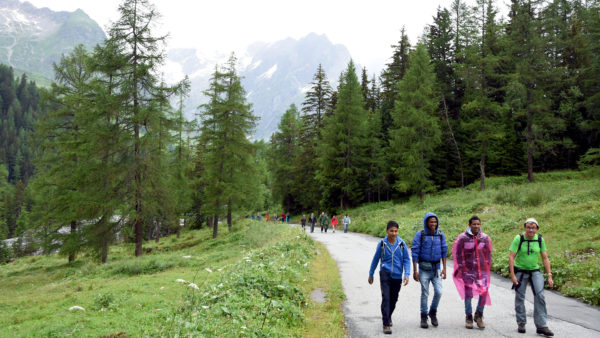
[[324, 221], [394, 271], [334, 222], [312, 220], [288, 217], [346, 222], [472, 252], [523, 267], [303, 222], [428, 248], [267, 217], [282, 217]]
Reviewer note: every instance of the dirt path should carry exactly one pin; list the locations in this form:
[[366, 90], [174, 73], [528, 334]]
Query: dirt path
[[353, 253]]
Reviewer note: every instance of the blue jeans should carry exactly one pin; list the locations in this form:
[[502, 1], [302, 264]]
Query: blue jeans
[[345, 227], [425, 277], [469, 307], [390, 288], [539, 302]]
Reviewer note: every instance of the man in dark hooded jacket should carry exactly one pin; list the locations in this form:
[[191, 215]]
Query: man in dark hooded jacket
[[428, 248]]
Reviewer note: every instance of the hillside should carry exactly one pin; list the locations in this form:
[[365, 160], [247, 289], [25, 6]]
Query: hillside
[[566, 204]]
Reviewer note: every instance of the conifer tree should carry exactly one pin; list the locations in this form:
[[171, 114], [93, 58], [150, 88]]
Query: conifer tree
[[416, 131], [343, 149], [227, 121]]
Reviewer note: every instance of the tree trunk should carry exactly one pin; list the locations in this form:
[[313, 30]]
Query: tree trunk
[[157, 232], [462, 170], [482, 169], [215, 226], [229, 214], [73, 231], [104, 252], [529, 149]]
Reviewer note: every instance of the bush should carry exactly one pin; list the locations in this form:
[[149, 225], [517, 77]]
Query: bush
[[5, 253], [103, 301], [509, 195]]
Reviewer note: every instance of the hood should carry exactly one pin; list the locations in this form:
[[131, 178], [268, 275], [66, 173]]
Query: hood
[[427, 215]]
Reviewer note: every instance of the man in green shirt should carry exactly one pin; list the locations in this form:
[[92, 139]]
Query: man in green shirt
[[524, 268]]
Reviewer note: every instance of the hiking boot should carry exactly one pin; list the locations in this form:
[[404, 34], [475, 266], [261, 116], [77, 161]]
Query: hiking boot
[[521, 328], [387, 330], [479, 320], [433, 316], [469, 322], [424, 321], [391, 324], [545, 331]]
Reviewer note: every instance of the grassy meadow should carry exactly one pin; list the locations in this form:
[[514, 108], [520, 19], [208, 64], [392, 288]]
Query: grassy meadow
[[253, 281], [566, 204]]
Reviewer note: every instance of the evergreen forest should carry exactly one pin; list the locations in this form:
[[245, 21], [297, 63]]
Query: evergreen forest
[[105, 154]]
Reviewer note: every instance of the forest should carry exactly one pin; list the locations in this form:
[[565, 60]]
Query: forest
[[105, 155]]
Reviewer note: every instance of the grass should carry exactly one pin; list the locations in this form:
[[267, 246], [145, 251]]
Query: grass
[[247, 282], [565, 203]]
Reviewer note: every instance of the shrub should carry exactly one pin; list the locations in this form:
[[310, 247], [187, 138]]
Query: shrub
[[103, 301]]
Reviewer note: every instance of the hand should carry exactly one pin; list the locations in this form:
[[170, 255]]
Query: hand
[[516, 282], [458, 273], [370, 280], [405, 281], [416, 276], [550, 281], [444, 273]]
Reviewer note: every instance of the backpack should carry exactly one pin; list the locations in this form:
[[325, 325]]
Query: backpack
[[539, 240]]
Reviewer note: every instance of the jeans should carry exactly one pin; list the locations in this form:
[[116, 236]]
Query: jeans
[[390, 288], [469, 308], [345, 227], [539, 302], [425, 277]]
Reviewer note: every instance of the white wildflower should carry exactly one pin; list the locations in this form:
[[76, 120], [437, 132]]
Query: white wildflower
[[221, 269], [205, 307], [76, 307], [220, 285], [192, 285], [162, 287], [179, 280], [209, 270], [187, 256], [244, 327]]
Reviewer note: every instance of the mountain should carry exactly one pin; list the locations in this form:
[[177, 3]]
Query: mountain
[[32, 39], [275, 75]]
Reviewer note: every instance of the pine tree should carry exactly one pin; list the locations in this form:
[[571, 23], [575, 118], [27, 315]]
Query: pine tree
[[416, 131], [227, 121], [343, 149]]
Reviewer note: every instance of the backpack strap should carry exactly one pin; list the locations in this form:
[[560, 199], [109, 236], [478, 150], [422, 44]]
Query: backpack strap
[[539, 240], [423, 234], [382, 246]]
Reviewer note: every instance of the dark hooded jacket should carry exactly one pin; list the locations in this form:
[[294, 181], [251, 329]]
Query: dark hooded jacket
[[433, 247]]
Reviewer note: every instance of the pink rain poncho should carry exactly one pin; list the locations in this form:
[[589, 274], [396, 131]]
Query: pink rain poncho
[[472, 261]]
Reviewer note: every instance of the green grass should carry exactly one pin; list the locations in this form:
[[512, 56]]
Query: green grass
[[248, 284], [565, 203]]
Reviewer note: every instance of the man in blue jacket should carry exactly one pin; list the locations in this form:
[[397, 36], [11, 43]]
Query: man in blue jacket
[[428, 248], [394, 271]]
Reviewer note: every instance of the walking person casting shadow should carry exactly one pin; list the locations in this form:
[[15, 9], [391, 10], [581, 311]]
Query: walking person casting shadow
[[394, 271]]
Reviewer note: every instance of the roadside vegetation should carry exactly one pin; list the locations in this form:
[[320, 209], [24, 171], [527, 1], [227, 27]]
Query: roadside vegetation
[[253, 281], [565, 203]]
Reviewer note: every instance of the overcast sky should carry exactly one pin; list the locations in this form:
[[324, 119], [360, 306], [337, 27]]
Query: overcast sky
[[367, 28]]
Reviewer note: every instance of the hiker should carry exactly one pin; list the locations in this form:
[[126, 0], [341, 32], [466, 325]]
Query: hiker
[[303, 222], [523, 267], [472, 252], [334, 222], [267, 218], [324, 221], [288, 217], [346, 222], [282, 217], [312, 220], [394, 271], [428, 248]]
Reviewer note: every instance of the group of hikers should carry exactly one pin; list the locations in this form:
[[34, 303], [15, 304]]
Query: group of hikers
[[472, 252], [323, 222]]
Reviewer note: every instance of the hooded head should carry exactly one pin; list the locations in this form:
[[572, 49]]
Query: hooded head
[[428, 216]]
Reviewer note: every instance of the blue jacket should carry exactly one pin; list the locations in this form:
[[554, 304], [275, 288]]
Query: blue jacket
[[434, 246], [396, 258]]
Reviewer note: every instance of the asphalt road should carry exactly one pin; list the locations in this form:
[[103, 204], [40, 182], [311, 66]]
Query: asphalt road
[[353, 253]]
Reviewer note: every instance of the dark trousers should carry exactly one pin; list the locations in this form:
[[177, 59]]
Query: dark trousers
[[390, 288]]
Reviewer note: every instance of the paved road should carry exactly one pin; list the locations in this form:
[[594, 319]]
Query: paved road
[[353, 253]]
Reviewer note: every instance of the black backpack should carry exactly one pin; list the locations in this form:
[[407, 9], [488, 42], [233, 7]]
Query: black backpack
[[382, 248], [539, 240], [423, 234]]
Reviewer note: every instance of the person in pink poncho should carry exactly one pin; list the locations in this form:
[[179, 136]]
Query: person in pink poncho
[[472, 252]]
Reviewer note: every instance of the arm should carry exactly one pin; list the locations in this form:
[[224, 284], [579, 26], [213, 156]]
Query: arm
[[547, 268], [511, 267], [444, 255], [374, 262], [406, 265], [444, 268], [416, 243]]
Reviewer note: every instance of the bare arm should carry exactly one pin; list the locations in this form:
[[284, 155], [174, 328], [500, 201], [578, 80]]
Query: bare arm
[[547, 268], [511, 267], [444, 268]]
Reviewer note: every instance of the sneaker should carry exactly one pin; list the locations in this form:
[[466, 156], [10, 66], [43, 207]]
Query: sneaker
[[469, 322], [387, 330], [521, 328], [433, 316], [424, 321], [545, 331], [479, 320]]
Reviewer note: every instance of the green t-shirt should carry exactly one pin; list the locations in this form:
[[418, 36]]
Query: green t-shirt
[[527, 257]]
